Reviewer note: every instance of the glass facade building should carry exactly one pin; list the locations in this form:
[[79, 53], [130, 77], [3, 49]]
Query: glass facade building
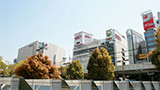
[[136, 46], [149, 37]]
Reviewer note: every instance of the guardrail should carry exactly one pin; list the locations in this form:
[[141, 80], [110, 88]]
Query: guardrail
[[18, 83]]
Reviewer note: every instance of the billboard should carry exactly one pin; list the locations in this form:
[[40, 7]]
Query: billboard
[[78, 39], [82, 38], [87, 38], [148, 21]]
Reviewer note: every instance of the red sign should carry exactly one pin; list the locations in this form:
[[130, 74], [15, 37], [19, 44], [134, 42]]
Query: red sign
[[148, 21], [108, 39], [78, 37], [118, 37], [87, 36]]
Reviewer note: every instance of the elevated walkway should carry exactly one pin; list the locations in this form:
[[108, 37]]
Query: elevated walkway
[[135, 68]]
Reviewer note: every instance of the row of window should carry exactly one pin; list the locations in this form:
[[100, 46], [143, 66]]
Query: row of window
[[150, 44], [84, 51], [149, 34], [150, 39], [81, 56], [109, 49], [150, 49]]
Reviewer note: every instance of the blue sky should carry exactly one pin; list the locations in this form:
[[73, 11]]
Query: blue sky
[[56, 21]]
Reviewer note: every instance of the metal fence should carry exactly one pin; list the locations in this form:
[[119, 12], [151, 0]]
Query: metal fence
[[14, 83]]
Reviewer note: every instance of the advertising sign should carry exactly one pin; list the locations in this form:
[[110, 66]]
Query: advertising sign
[[142, 56], [118, 37], [87, 38], [148, 21], [78, 39], [109, 35], [82, 38]]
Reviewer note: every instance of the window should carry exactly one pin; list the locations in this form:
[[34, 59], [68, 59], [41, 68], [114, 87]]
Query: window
[[150, 44], [38, 87], [150, 39], [149, 34], [150, 49]]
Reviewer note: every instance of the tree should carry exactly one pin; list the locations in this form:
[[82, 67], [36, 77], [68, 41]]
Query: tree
[[74, 70], [154, 54], [62, 69], [100, 66], [37, 67], [11, 67], [3, 69]]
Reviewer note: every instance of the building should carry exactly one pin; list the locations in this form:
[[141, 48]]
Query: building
[[83, 52], [136, 47], [149, 27], [115, 44], [149, 37], [56, 54], [158, 20], [83, 46]]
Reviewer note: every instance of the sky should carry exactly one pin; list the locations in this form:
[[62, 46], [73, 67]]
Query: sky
[[56, 21]]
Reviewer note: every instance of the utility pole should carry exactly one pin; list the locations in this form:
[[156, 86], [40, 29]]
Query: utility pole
[[123, 62]]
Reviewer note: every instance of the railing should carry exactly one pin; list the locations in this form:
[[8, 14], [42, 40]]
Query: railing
[[15, 83]]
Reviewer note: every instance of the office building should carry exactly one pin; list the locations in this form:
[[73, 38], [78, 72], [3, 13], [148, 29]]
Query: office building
[[83, 52], [56, 54], [83, 46], [149, 37], [136, 47], [115, 44], [158, 20], [149, 27]]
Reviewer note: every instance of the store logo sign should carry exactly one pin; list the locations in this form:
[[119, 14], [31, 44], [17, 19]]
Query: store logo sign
[[148, 21], [108, 33], [118, 37]]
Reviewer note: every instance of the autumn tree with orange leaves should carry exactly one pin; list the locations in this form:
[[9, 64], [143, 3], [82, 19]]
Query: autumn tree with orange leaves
[[37, 67]]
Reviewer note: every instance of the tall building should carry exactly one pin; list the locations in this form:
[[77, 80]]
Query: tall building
[[149, 27], [149, 37], [158, 14], [115, 44], [136, 47], [158, 21], [56, 54], [83, 46], [83, 52]]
